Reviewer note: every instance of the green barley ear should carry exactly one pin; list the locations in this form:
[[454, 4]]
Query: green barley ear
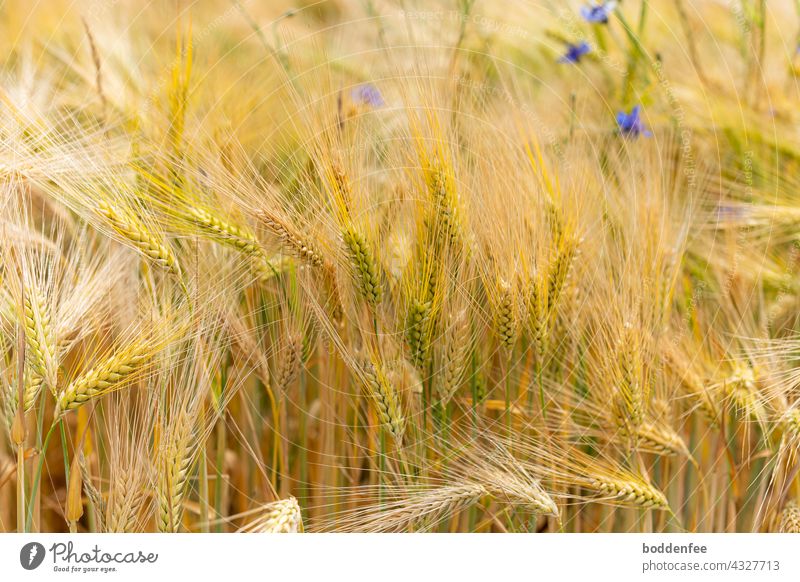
[[418, 331], [447, 215], [237, 237], [505, 314], [106, 376], [386, 399], [10, 402], [32, 384], [560, 269], [539, 315], [144, 241], [364, 265], [631, 388], [458, 345], [41, 344], [628, 491], [481, 387]]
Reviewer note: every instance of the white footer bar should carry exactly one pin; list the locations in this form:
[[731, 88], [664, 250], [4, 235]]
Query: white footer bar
[[401, 557]]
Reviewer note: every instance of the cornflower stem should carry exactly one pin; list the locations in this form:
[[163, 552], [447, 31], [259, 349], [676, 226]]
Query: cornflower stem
[[636, 52]]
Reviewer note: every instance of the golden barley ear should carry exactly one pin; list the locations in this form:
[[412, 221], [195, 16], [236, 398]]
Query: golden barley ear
[[282, 516], [790, 518], [299, 245]]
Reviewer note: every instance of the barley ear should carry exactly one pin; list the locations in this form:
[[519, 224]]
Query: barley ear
[[364, 264], [385, 398]]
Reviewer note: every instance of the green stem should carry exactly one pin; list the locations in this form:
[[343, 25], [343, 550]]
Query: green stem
[[382, 466], [63, 432], [303, 456], [204, 504], [38, 477], [637, 51], [540, 380], [218, 484]]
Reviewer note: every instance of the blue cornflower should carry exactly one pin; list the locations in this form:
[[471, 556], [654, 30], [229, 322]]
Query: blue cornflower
[[730, 213], [575, 52], [631, 124], [367, 95], [598, 13]]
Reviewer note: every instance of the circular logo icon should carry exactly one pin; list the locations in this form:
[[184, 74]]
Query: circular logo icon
[[31, 555]]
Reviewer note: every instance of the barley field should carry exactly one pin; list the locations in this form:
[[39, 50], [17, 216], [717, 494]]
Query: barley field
[[399, 266]]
